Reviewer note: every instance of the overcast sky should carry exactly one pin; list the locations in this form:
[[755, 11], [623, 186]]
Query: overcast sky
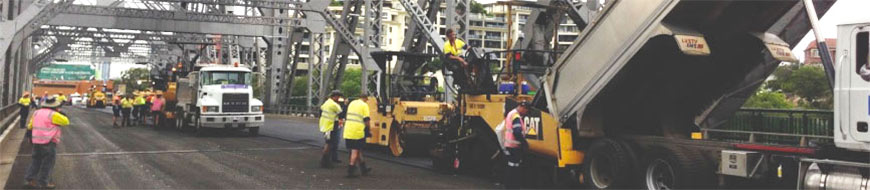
[[844, 11]]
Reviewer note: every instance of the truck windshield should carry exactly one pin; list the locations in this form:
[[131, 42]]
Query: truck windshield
[[225, 77]]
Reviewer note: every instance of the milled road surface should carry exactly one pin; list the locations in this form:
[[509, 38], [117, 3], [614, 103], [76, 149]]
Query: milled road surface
[[93, 155]]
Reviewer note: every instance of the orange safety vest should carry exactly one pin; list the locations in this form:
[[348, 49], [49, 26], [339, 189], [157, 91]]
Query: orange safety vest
[[509, 140], [44, 131]]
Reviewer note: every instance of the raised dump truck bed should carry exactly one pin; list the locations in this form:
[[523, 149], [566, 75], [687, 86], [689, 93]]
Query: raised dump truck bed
[[670, 65]]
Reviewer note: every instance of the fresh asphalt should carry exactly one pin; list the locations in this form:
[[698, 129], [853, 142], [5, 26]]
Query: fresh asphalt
[[93, 155]]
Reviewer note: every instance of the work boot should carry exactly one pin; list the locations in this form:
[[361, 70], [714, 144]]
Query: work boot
[[30, 184], [336, 161], [48, 186], [325, 163], [351, 171], [363, 169]]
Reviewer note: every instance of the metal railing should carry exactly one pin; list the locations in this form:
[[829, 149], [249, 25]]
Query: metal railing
[[7, 115], [296, 110], [774, 126]]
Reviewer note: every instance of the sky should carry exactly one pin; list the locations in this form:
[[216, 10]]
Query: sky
[[843, 11]]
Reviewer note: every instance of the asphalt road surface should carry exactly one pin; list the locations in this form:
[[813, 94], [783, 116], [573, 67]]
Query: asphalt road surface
[[93, 155]]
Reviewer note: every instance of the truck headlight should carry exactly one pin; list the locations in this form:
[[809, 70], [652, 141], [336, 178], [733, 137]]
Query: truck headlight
[[256, 108], [206, 109]]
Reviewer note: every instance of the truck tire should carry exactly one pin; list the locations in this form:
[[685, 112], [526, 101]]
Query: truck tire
[[198, 130], [608, 165], [674, 167], [180, 121], [254, 131]]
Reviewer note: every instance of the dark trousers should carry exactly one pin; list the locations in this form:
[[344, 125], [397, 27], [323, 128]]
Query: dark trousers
[[24, 112], [43, 161], [143, 112], [514, 172], [125, 114], [333, 144]]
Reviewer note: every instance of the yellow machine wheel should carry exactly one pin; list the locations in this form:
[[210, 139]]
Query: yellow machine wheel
[[397, 144]]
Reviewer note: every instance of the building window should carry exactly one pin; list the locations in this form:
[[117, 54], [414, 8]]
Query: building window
[[814, 53]]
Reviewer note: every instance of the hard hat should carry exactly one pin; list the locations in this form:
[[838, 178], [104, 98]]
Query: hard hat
[[336, 93]]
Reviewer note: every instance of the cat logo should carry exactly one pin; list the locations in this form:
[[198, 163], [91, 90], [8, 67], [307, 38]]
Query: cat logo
[[533, 127]]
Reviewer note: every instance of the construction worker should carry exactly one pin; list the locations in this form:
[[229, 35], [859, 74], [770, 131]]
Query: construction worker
[[61, 98], [453, 48], [355, 133], [116, 109], [24, 103], [139, 104], [45, 123], [156, 107], [330, 123], [126, 108], [515, 144], [44, 96]]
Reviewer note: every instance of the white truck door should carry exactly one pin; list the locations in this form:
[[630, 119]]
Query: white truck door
[[859, 88]]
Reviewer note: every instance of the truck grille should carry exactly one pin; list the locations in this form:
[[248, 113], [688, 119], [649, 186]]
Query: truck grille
[[235, 103]]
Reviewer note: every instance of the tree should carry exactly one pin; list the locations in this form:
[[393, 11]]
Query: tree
[[768, 99], [336, 3], [477, 8], [351, 83], [132, 77], [807, 83]]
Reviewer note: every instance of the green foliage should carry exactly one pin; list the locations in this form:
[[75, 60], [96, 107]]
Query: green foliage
[[808, 83], [768, 99], [300, 88], [131, 76], [336, 3], [477, 7], [351, 83], [258, 87]]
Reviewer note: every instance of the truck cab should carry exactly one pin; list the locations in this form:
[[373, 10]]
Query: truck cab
[[852, 90], [219, 96]]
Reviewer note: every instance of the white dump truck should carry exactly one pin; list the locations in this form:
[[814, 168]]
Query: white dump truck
[[218, 97]]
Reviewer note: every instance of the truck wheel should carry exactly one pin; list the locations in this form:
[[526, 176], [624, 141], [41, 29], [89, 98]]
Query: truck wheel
[[608, 165], [179, 121], [198, 130], [254, 131], [672, 167]]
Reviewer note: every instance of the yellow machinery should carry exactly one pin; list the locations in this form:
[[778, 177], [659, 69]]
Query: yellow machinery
[[97, 99], [467, 139], [406, 112]]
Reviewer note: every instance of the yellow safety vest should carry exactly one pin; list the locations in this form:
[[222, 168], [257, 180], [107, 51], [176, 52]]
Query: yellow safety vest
[[354, 128], [61, 98], [328, 115], [454, 50], [139, 101], [126, 103], [24, 101]]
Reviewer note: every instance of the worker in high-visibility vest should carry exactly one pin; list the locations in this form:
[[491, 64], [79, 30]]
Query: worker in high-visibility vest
[[330, 123], [126, 109], [355, 133], [139, 104], [116, 109], [25, 103], [45, 124], [61, 98], [515, 145]]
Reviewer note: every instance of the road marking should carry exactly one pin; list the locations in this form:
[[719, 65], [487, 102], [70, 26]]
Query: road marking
[[174, 151]]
